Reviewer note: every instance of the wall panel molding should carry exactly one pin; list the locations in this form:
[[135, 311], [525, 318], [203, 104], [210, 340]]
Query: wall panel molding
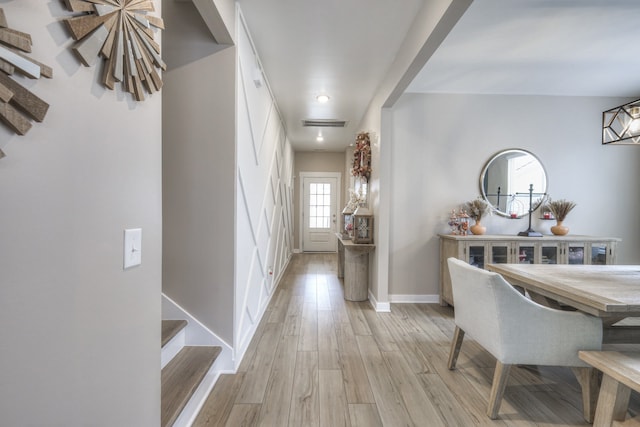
[[264, 168]]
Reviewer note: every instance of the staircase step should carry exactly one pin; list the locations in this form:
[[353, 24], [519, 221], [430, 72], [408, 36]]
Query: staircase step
[[170, 328], [181, 377]]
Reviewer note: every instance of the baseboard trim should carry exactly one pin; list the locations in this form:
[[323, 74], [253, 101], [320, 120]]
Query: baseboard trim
[[414, 299], [385, 307], [381, 307]]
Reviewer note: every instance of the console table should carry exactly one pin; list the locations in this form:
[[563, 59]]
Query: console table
[[480, 250], [353, 266]]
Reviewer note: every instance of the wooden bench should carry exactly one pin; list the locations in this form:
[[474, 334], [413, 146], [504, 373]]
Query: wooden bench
[[621, 374]]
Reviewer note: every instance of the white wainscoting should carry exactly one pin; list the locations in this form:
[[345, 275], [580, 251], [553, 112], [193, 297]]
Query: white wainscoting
[[264, 226]]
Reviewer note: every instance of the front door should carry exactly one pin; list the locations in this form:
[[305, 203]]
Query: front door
[[319, 214]]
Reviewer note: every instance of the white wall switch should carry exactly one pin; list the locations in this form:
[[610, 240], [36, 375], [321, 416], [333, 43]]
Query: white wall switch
[[132, 247]]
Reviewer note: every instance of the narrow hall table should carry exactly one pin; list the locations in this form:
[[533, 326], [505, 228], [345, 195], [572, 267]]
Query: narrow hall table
[[353, 266]]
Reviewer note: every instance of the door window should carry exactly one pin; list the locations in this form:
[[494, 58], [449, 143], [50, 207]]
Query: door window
[[319, 205]]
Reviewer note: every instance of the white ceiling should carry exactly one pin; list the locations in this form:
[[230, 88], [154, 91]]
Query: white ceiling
[[539, 47], [344, 47]]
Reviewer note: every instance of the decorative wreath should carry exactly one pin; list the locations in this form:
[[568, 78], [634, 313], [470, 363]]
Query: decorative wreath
[[362, 157]]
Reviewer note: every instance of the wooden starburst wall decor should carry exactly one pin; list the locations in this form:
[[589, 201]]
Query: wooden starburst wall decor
[[120, 31], [18, 106]]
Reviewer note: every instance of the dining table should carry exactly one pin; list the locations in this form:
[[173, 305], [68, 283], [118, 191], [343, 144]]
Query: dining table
[[610, 292]]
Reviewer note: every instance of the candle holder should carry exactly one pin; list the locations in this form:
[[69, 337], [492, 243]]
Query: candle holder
[[530, 232]]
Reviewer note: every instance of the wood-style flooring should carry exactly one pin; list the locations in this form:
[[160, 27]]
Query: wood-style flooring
[[318, 360]]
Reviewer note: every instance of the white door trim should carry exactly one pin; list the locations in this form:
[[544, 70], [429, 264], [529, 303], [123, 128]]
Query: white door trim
[[303, 175]]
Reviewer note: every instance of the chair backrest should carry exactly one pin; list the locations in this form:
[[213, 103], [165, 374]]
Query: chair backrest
[[513, 328], [477, 306]]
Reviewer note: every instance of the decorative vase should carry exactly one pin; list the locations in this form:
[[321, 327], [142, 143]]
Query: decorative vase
[[559, 229], [478, 228]]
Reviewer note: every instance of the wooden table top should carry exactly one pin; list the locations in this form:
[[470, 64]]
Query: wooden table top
[[601, 290], [349, 242]]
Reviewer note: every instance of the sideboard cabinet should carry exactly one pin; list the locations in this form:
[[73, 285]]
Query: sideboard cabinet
[[499, 249]]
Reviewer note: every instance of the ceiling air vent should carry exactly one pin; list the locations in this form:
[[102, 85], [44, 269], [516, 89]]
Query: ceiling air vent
[[324, 123]]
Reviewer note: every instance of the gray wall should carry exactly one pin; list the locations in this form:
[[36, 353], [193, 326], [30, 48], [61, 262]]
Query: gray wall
[[309, 161], [441, 143], [80, 336], [432, 24], [198, 170]]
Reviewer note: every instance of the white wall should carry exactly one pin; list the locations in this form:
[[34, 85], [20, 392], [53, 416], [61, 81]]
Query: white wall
[[440, 143], [80, 336], [264, 228], [198, 170]]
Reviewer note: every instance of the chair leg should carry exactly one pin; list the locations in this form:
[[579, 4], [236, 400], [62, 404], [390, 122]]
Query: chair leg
[[497, 388], [458, 335]]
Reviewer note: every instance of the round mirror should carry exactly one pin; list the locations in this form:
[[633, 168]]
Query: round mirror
[[507, 178]]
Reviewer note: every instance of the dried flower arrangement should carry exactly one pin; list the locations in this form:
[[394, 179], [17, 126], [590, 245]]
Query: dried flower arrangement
[[362, 157], [560, 208], [459, 222], [477, 208]]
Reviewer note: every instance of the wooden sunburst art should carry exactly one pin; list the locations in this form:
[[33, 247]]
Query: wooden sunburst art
[[121, 32], [18, 106]]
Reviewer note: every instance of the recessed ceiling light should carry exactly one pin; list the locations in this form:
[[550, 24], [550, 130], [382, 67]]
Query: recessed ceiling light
[[322, 98], [320, 138]]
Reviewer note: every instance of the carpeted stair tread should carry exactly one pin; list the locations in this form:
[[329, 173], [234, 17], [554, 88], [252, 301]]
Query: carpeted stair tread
[[181, 377], [170, 328]]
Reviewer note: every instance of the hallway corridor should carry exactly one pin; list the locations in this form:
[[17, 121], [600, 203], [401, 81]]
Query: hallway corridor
[[318, 360]]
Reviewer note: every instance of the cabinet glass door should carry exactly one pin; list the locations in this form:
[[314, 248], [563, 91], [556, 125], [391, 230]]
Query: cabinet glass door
[[575, 254], [476, 255], [599, 253], [549, 254], [526, 254], [500, 253]]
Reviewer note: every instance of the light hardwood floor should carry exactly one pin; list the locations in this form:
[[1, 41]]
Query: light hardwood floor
[[318, 360]]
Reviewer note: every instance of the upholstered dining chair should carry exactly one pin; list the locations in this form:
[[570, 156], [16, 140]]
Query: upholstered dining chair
[[517, 330]]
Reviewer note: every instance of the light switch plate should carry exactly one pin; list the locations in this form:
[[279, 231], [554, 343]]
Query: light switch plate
[[132, 247]]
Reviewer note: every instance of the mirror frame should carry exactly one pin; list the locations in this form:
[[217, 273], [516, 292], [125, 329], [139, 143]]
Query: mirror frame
[[484, 173]]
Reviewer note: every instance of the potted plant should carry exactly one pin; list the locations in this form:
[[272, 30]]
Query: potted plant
[[560, 209], [476, 209]]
